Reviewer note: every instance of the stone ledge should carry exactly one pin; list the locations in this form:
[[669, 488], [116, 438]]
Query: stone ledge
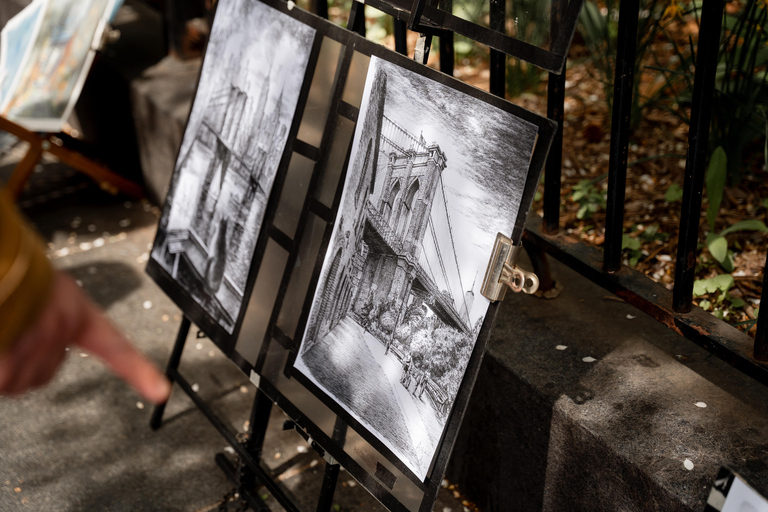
[[546, 430]]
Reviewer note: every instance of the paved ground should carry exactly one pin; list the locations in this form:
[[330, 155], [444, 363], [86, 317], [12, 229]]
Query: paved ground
[[83, 443]]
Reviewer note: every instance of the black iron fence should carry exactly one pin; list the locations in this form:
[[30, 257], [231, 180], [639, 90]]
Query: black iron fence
[[543, 237]]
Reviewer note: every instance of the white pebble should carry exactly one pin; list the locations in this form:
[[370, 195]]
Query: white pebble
[[124, 223], [83, 354], [447, 509], [701, 404], [688, 464], [444, 484], [631, 317], [243, 389], [211, 353], [313, 463], [195, 387], [588, 359], [301, 449], [199, 346], [139, 405], [147, 304], [63, 252], [351, 483], [79, 283], [229, 449], [561, 347], [86, 246], [98, 242]]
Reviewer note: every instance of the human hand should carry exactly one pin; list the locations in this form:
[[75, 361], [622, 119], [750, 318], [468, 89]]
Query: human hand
[[69, 318]]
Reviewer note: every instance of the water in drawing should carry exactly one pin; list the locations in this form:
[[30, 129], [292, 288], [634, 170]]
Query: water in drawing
[[237, 130]]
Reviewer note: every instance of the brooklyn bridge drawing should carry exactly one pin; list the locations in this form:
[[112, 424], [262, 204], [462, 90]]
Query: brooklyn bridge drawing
[[237, 130], [397, 310]]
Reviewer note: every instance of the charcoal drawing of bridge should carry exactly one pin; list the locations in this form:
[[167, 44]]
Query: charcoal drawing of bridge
[[397, 311], [231, 150]]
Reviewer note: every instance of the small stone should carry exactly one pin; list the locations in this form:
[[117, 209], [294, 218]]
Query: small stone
[[444, 484], [195, 387], [199, 346], [301, 449], [165, 318], [561, 347], [276, 456], [313, 463], [124, 223], [79, 283], [99, 242], [92, 270], [17, 489], [229, 449], [447, 509], [701, 404], [588, 359], [92, 228], [83, 354], [243, 388], [631, 317], [63, 252], [688, 464], [147, 304], [351, 483], [86, 246], [139, 405], [246, 426], [211, 353]]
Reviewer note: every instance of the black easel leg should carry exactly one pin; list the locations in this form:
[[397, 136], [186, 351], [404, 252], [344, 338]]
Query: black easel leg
[[325, 502], [257, 430], [173, 364]]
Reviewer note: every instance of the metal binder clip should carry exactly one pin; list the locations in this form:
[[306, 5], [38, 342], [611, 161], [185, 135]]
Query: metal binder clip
[[502, 272]]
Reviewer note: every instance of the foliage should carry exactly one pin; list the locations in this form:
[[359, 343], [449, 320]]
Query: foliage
[[599, 26], [589, 196], [741, 84], [716, 175], [720, 285], [632, 245], [718, 244], [674, 193]]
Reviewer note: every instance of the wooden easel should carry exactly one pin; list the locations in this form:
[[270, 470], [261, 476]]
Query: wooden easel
[[54, 146]]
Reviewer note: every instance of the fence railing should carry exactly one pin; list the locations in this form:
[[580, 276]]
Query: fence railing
[[604, 267]]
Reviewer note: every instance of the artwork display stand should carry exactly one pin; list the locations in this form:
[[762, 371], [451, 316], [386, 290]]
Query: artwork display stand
[[249, 472], [57, 147]]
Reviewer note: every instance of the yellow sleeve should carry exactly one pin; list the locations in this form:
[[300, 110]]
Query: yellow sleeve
[[25, 274]]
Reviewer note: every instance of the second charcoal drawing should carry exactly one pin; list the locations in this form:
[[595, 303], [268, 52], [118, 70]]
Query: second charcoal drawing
[[237, 130], [434, 174]]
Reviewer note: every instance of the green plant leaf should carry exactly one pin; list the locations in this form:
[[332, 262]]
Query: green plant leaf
[[716, 175], [674, 193], [736, 302], [721, 282], [728, 264], [718, 313], [705, 304], [746, 225], [627, 242], [718, 246], [462, 47]]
